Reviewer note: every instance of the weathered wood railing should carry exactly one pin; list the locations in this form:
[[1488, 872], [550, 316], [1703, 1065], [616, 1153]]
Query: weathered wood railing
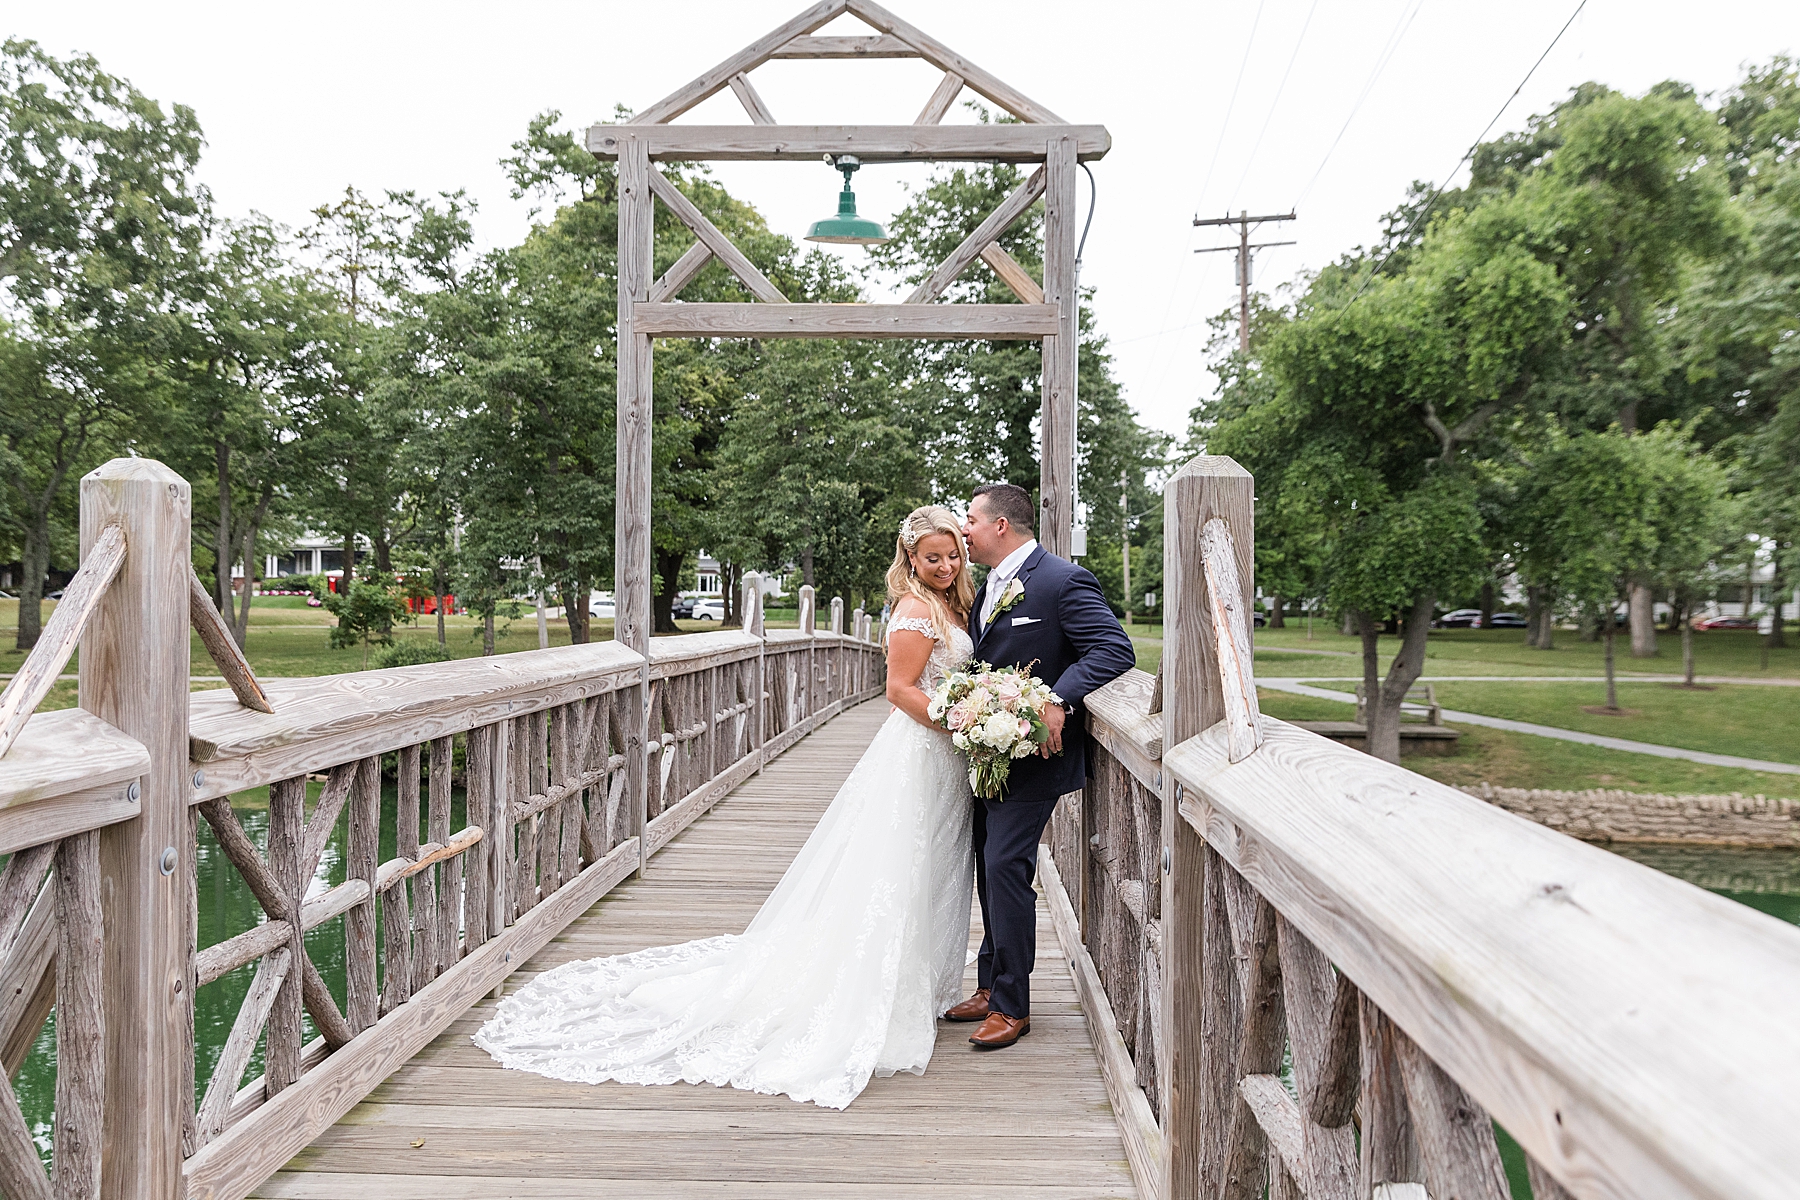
[[1320, 974], [541, 745]]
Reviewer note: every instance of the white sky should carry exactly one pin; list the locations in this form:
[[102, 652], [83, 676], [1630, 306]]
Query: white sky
[[299, 101]]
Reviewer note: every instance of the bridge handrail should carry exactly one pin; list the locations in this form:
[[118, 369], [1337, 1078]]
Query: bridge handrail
[[1423, 960], [577, 764]]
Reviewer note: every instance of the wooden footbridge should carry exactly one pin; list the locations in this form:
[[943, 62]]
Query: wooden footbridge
[[1271, 966]]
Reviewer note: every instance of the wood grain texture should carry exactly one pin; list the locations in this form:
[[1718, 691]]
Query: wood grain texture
[[681, 273], [20, 882], [1137, 1122], [361, 857], [226, 956], [991, 227], [61, 633], [28, 982], [64, 755], [215, 635], [1259, 1050], [1014, 275], [939, 55], [21, 1174], [871, 143], [135, 657], [279, 891], [1203, 488], [1328, 1164], [747, 59], [747, 272], [1388, 1150], [882, 46], [258, 1002], [987, 322], [942, 97], [1231, 638], [323, 722], [80, 1020], [1120, 718], [444, 886], [1533, 969], [753, 104], [1455, 1136], [253, 1149], [1056, 419]]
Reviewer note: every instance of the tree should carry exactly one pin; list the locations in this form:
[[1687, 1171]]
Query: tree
[[98, 220], [1382, 393], [1613, 509]]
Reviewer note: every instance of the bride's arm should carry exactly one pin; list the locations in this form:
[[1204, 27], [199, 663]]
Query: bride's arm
[[908, 652]]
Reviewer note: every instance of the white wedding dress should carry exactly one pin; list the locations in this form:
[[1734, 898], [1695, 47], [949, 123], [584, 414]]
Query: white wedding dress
[[839, 977]]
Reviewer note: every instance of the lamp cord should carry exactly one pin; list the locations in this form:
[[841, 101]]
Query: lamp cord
[[1093, 194]]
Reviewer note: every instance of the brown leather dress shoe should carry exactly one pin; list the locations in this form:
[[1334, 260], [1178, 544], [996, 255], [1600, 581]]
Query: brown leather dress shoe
[[975, 1008], [1000, 1031]]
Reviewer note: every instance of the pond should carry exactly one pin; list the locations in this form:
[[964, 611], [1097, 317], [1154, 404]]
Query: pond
[[226, 908]]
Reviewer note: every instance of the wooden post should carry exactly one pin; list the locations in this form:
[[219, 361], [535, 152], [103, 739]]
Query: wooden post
[[809, 617], [838, 653], [1056, 474], [1193, 700], [631, 537], [80, 1020], [753, 625], [287, 839], [362, 854], [134, 669]]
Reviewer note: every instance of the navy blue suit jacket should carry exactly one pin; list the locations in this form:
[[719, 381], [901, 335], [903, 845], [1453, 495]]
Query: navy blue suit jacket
[[1064, 626]]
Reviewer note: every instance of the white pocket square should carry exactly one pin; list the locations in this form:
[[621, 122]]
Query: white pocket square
[[1026, 620]]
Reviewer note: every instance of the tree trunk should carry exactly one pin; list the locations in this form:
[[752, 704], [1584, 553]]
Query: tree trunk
[[662, 601], [1612, 689], [1546, 632], [487, 633], [344, 584], [1487, 604], [732, 577], [1275, 615], [222, 539], [240, 630], [806, 565], [35, 565], [1382, 712], [442, 587], [1641, 607], [1352, 622], [1778, 587], [1687, 648], [575, 610]]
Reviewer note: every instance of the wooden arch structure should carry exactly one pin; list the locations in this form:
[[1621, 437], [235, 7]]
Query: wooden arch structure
[[649, 307]]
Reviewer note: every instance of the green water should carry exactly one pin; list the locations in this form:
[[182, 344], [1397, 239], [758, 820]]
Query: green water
[[228, 908]]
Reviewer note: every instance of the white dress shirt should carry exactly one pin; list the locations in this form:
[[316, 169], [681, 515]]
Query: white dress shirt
[[1002, 575]]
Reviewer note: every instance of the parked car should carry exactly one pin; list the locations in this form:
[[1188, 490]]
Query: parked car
[[1506, 621], [1258, 620], [1726, 623], [682, 608], [600, 605], [1462, 618], [708, 608]]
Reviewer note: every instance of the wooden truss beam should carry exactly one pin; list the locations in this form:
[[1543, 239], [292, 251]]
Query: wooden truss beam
[[944, 58], [682, 273], [883, 46], [747, 59], [1012, 274], [718, 243], [985, 233], [989, 322], [871, 143], [752, 102], [948, 89]]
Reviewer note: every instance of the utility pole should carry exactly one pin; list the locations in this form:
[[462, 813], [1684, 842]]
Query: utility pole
[[1125, 541], [1245, 223]]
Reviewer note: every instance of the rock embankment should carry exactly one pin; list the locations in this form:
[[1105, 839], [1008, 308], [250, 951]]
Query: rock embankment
[[1606, 815]]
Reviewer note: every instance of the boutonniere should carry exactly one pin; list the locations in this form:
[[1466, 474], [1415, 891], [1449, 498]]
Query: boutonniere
[[1011, 594]]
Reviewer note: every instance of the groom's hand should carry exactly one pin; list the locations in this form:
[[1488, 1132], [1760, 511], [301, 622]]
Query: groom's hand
[[1054, 716]]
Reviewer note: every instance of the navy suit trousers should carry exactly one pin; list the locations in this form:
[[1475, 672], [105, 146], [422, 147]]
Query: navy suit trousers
[[1006, 849]]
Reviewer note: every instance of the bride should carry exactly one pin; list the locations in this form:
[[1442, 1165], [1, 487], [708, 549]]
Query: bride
[[843, 972]]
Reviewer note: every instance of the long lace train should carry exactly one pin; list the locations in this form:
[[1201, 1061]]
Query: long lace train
[[838, 978]]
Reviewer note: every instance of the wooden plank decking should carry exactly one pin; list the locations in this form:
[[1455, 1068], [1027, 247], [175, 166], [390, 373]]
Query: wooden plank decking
[[1030, 1121]]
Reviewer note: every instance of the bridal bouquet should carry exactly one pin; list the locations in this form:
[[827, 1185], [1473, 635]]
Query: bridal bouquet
[[994, 715]]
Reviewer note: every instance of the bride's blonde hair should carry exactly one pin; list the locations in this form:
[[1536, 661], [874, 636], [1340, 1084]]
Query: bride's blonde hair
[[902, 581]]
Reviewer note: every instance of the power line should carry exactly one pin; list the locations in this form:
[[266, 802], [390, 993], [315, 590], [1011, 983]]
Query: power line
[[1276, 103], [1467, 154], [1395, 37], [1225, 125]]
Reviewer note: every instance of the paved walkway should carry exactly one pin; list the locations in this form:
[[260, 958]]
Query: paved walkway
[[1303, 687], [1024, 1123]]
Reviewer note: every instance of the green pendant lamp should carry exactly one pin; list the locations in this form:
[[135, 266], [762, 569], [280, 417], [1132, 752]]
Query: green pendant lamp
[[846, 228]]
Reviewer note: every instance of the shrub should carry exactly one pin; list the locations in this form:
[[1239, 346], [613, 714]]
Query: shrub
[[410, 654]]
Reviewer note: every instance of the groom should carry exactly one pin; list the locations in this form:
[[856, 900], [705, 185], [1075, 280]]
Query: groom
[[1039, 611]]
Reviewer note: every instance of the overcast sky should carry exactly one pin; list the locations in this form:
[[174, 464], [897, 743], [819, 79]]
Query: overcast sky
[[1323, 106]]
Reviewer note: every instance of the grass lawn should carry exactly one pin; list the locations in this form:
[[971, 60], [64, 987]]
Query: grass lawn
[[1755, 722], [1521, 760], [1503, 652]]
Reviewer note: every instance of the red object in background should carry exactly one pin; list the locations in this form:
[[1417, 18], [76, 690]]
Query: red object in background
[[428, 605]]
